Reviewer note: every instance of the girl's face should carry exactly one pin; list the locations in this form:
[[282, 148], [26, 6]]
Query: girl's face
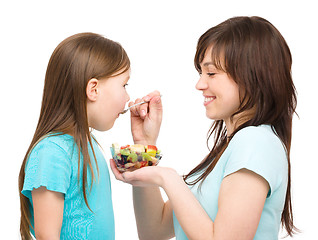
[[221, 93], [111, 98]]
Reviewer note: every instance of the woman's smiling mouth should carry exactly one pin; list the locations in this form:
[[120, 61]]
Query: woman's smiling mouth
[[208, 99]]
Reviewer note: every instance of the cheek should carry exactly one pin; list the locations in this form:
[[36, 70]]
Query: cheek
[[232, 91], [114, 99], [121, 99], [233, 96], [234, 102], [116, 103], [229, 99]]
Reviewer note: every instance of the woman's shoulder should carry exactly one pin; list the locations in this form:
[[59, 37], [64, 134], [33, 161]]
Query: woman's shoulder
[[262, 134], [264, 129], [258, 149], [260, 139]]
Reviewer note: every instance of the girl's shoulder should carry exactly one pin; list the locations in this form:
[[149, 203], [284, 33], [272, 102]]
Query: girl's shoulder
[[50, 164], [54, 142]]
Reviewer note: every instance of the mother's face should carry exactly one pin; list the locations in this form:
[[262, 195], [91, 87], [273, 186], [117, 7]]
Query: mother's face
[[220, 91]]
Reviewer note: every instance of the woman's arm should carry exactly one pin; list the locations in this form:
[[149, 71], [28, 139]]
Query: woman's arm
[[241, 197], [153, 216], [48, 213], [241, 201]]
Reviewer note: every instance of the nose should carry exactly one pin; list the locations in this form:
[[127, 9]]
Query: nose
[[201, 84], [127, 97]]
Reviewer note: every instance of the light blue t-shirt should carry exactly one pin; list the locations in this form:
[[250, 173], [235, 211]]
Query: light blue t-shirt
[[257, 149], [53, 163]]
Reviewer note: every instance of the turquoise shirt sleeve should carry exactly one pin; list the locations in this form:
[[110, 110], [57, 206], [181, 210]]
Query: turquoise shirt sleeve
[[48, 165], [260, 151]]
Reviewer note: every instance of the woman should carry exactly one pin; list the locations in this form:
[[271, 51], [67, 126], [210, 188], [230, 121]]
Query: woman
[[241, 190]]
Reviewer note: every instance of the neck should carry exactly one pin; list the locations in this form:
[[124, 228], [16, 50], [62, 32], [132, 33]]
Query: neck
[[231, 124]]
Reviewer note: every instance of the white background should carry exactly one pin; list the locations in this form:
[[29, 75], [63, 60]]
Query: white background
[[160, 38]]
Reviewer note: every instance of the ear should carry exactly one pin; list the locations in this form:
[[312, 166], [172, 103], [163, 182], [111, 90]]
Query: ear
[[91, 89]]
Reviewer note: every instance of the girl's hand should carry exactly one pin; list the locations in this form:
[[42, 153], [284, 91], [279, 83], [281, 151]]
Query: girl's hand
[[146, 119], [143, 177]]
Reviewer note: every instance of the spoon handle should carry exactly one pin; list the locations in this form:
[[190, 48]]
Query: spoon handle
[[126, 110]]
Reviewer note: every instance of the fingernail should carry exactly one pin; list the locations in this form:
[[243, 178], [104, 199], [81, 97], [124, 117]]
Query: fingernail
[[147, 98], [143, 112], [158, 100]]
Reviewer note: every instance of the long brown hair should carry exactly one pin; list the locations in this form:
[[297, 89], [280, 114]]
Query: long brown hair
[[73, 63], [256, 56]]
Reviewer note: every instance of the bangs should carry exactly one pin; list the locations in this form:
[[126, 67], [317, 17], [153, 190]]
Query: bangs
[[218, 57], [123, 64], [112, 60]]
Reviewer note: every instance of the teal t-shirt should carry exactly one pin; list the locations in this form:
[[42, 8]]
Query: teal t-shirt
[[257, 149], [53, 163]]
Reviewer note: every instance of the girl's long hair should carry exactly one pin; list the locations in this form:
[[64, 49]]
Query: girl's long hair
[[73, 63], [255, 55]]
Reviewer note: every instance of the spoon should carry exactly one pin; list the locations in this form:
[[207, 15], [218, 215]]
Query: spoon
[[126, 110]]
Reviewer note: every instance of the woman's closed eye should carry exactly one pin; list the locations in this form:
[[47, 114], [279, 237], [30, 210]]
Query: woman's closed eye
[[211, 74]]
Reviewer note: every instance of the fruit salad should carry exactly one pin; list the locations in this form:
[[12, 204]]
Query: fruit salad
[[132, 157]]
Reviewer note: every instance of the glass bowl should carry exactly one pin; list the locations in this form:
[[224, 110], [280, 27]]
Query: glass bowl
[[133, 157]]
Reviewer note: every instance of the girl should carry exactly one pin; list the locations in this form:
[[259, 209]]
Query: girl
[[241, 189], [64, 181]]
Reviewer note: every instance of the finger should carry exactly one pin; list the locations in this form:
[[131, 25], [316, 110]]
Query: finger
[[141, 177], [138, 100], [131, 103], [130, 177], [155, 108], [134, 110], [144, 109], [115, 171], [151, 95]]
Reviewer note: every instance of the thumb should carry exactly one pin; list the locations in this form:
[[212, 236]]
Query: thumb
[[156, 103], [155, 107]]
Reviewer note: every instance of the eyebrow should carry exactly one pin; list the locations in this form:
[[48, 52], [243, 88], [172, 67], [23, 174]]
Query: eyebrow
[[207, 64]]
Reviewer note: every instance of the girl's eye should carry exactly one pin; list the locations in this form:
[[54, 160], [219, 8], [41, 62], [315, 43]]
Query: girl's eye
[[125, 85]]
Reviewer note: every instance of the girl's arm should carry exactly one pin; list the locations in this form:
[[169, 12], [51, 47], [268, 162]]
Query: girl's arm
[[48, 213], [241, 201]]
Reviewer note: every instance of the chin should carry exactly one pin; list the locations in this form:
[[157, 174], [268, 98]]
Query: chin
[[213, 116], [210, 116], [104, 128]]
